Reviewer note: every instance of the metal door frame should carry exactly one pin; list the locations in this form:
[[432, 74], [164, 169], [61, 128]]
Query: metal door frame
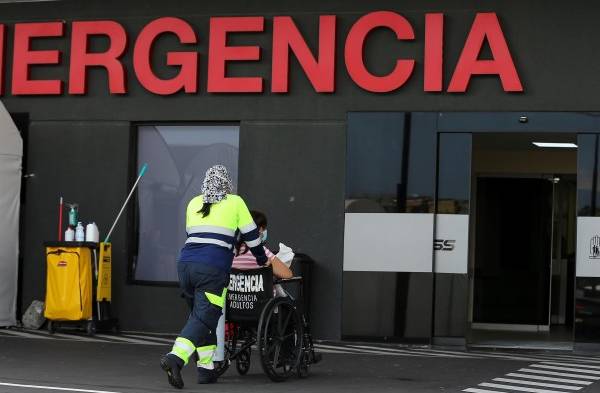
[[516, 122]]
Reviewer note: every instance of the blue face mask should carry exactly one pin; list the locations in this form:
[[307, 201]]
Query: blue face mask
[[263, 236]]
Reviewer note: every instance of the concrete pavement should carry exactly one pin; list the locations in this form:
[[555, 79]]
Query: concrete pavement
[[36, 362]]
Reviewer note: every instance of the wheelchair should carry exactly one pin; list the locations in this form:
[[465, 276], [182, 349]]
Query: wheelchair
[[275, 326]]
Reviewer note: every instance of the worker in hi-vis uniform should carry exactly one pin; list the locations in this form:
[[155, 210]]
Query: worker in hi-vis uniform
[[203, 269]]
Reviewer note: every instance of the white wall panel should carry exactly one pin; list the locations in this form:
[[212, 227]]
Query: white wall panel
[[452, 243], [388, 242]]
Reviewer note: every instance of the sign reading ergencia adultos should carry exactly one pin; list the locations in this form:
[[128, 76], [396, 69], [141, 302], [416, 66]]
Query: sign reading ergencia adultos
[[248, 291], [287, 41]]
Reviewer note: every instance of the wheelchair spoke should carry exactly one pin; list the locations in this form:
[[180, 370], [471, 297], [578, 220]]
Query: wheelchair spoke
[[271, 348], [276, 357], [283, 328], [279, 320], [283, 338]]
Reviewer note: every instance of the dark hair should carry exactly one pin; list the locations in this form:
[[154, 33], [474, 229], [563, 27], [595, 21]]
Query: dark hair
[[205, 209], [260, 219]]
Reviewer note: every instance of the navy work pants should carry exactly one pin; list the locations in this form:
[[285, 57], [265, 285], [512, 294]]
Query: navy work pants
[[195, 280]]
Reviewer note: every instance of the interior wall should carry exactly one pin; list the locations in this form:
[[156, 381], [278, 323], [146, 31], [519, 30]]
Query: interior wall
[[524, 162]]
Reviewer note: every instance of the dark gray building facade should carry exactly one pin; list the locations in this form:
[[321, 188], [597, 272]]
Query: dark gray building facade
[[400, 159]]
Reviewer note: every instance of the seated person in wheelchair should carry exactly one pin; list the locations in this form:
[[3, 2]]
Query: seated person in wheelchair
[[244, 259]]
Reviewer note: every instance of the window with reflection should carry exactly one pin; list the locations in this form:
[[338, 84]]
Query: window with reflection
[[421, 163], [454, 173], [178, 157], [375, 154], [588, 200]]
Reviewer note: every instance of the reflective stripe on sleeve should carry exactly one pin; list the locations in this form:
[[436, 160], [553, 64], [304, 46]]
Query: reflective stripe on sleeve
[[248, 228], [254, 243]]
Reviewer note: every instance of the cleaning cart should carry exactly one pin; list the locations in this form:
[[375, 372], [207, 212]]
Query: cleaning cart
[[78, 282], [78, 286]]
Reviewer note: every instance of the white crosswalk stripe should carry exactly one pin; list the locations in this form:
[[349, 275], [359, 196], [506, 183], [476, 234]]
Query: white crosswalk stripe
[[585, 358], [151, 338], [18, 333], [335, 351], [571, 365], [545, 377], [561, 368], [74, 337], [532, 383], [128, 340], [550, 379], [98, 338], [547, 372], [350, 350], [463, 355], [517, 388]]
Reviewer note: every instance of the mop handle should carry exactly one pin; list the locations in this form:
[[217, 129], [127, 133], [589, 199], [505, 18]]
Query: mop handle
[[60, 219], [142, 173]]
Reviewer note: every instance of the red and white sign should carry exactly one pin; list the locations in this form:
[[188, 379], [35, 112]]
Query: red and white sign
[[287, 41]]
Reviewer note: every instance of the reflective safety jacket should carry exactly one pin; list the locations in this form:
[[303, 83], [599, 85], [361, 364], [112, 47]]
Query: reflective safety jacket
[[211, 239]]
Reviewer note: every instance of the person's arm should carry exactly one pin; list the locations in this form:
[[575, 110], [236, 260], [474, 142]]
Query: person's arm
[[250, 234], [280, 270]]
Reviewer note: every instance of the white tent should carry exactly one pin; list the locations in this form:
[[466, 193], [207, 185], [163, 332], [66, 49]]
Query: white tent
[[11, 153]]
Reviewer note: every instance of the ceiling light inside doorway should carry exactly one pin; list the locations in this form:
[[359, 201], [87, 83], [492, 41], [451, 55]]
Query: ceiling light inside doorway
[[553, 144]]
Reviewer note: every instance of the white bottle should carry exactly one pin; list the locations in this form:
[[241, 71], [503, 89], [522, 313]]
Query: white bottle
[[79, 233], [91, 233], [69, 234]]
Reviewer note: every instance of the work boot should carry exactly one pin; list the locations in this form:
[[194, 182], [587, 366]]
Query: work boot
[[206, 376], [172, 366]]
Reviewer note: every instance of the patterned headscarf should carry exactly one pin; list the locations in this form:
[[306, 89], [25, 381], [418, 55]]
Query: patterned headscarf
[[216, 185]]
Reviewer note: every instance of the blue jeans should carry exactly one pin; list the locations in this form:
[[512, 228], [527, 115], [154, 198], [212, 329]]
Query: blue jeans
[[195, 279]]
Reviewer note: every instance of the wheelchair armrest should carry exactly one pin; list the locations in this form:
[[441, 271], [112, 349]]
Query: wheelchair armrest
[[288, 280]]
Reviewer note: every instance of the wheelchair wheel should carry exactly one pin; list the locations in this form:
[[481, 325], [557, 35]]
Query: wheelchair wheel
[[303, 366], [242, 362], [280, 339]]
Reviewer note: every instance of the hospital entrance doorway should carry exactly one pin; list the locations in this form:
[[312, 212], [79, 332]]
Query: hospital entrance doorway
[[522, 254]]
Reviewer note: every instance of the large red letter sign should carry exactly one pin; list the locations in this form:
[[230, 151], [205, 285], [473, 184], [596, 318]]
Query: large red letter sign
[[187, 78], [434, 52], [485, 26], [355, 47], [23, 58], [321, 72], [219, 54], [81, 58]]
